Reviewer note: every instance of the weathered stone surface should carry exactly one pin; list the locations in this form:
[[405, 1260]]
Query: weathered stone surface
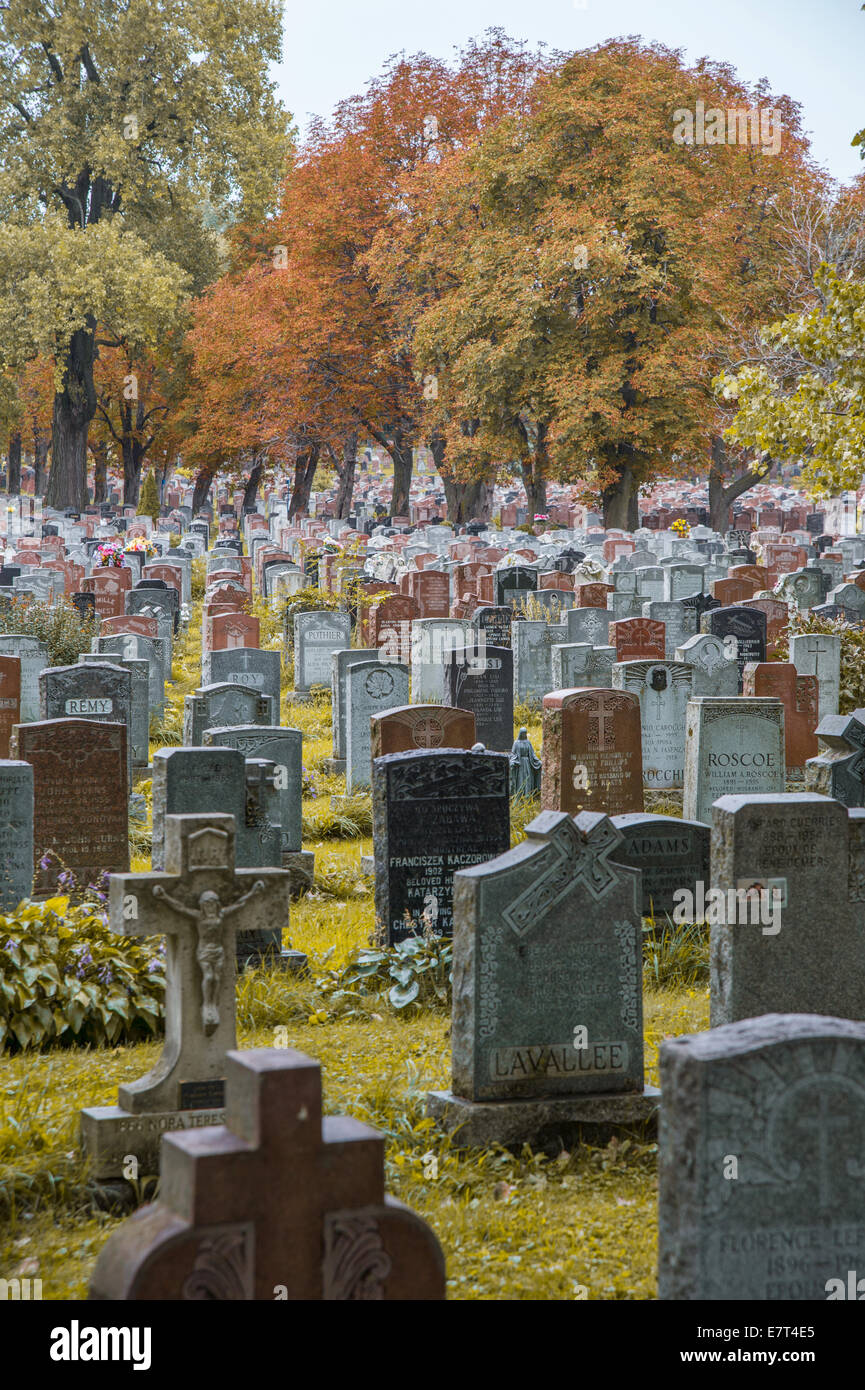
[[279, 1202], [761, 1134], [483, 682], [202, 904], [670, 853], [402, 730], [216, 706], [370, 688], [284, 748], [838, 770], [663, 689], [732, 747], [80, 795], [16, 833], [591, 752], [316, 637], [807, 855]]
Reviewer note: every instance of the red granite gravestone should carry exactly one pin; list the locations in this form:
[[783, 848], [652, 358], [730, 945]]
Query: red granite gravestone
[[431, 591], [229, 630], [390, 626], [109, 587], [135, 623], [592, 595], [80, 796], [732, 591], [592, 752], [10, 699], [277, 1204], [407, 727], [799, 696], [638, 639]]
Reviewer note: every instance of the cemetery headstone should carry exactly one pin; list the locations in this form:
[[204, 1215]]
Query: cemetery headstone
[[732, 747], [592, 759]]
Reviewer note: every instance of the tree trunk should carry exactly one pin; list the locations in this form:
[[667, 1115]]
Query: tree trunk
[[467, 501], [201, 490], [304, 472], [619, 499], [13, 475], [250, 491], [721, 495], [345, 491], [74, 408], [41, 445], [533, 469], [99, 450], [401, 453]]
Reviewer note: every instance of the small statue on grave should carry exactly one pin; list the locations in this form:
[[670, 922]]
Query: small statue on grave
[[525, 767], [208, 917]]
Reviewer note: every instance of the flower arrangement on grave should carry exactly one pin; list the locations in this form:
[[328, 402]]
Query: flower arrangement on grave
[[139, 545], [108, 555], [681, 527]]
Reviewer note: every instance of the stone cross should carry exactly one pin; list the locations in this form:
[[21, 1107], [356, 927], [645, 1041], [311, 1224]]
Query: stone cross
[[199, 904], [279, 1204]]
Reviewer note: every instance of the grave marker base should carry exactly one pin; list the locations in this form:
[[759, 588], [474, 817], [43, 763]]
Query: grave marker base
[[542, 1123], [109, 1134]]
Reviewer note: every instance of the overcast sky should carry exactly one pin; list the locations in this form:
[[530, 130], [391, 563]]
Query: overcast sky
[[810, 50]]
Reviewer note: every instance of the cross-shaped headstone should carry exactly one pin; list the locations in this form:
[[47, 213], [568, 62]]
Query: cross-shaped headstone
[[200, 903], [277, 1204]]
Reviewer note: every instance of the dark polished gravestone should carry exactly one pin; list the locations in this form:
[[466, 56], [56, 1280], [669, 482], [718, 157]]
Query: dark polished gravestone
[[743, 632], [494, 623], [434, 812], [16, 833], [513, 584], [280, 1202], [547, 1023], [80, 797], [838, 770], [204, 906], [670, 853], [798, 943], [762, 1132], [484, 684]]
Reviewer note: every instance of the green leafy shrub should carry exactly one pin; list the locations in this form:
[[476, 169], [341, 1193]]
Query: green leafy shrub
[[851, 694], [65, 977], [60, 626], [416, 972]]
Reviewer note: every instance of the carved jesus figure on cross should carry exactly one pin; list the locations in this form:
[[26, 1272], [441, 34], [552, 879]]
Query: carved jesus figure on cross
[[210, 954]]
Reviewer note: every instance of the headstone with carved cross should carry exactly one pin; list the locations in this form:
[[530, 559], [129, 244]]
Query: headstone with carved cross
[[278, 1204], [547, 1019], [760, 1161], [200, 903]]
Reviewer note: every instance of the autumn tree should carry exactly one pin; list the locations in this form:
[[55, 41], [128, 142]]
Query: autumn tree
[[117, 126], [582, 269]]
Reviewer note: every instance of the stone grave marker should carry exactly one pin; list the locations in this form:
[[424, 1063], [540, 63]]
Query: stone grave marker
[[743, 632], [248, 666], [284, 748], [819, 654], [316, 637], [280, 1202], [803, 953], [202, 904], [513, 583], [547, 1020], [213, 706], [578, 664], [10, 700], [638, 639], [838, 770], [713, 671], [590, 625], [402, 730], [340, 663], [732, 747], [799, 695], [33, 656], [663, 689], [434, 811], [484, 684], [533, 658], [80, 796], [139, 695], [16, 833], [781, 1097], [592, 759], [670, 853], [432, 641], [371, 687], [680, 623], [495, 624]]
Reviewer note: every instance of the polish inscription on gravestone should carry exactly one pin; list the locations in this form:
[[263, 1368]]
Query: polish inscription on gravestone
[[433, 813]]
